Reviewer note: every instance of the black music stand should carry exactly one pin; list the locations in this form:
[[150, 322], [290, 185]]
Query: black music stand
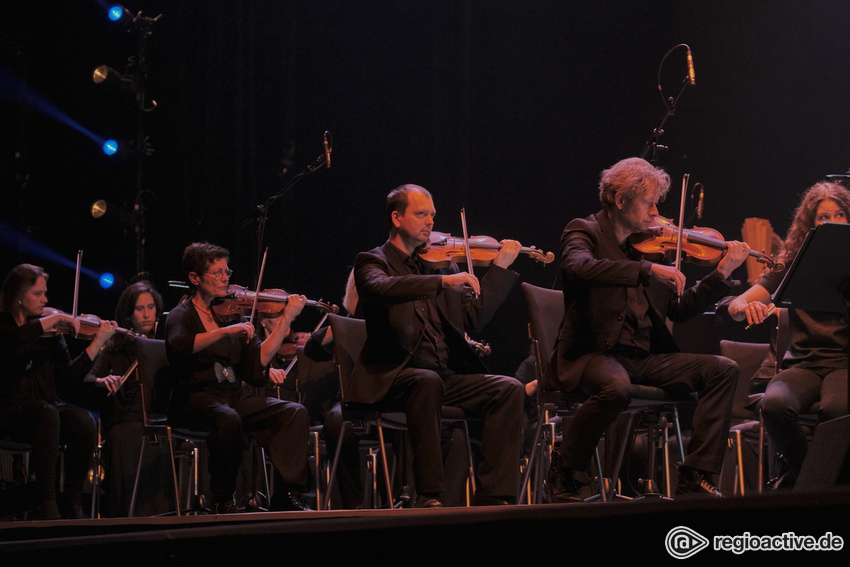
[[819, 277]]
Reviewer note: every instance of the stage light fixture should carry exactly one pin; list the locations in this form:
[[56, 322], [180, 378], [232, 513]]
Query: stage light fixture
[[110, 147], [106, 74], [115, 12], [106, 280], [99, 208], [102, 208]]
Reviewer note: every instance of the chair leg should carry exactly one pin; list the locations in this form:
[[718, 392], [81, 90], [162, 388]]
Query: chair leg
[[334, 465], [761, 452], [136, 482], [630, 417], [97, 467], [170, 440], [532, 459], [317, 458], [386, 466], [472, 484]]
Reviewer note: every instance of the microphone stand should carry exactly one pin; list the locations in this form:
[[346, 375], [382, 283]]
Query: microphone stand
[[262, 210], [651, 144]]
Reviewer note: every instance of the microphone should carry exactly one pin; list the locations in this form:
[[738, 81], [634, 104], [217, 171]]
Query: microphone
[[328, 149], [691, 76], [700, 200]]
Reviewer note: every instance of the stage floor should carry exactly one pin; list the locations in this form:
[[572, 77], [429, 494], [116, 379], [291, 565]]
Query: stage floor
[[611, 531]]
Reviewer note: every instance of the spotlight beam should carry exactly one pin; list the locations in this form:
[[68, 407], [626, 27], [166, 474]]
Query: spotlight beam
[[13, 88]]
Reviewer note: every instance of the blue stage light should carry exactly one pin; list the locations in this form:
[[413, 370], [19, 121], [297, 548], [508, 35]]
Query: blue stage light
[[110, 147], [106, 280], [115, 13]]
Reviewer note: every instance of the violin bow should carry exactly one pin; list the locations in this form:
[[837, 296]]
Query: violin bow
[[259, 285], [77, 283], [685, 179], [125, 376], [294, 360], [466, 242]]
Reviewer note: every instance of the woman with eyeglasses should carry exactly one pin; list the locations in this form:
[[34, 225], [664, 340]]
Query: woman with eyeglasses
[[219, 370]]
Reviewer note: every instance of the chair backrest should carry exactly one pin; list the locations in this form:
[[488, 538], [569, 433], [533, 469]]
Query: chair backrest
[[154, 376], [545, 311], [749, 357], [349, 336]]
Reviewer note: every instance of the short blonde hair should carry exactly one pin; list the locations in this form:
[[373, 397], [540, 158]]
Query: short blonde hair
[[634, 178]]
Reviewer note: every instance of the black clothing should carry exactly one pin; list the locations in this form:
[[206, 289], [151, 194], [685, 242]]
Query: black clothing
[[614, 333], [213, 391], [30, 410], [411, 320]]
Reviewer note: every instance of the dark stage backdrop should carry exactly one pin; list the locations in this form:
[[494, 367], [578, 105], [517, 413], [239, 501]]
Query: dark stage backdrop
[[507, 109]]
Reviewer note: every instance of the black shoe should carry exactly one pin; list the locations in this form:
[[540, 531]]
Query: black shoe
[[785, 481], [427, 501], [289, 501], [694, 482], [482, 500], [561, 484], [224, 505], [785, 476]]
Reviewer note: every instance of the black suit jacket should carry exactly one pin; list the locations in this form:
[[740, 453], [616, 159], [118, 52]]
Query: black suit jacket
[[595, 273], [394, 327]]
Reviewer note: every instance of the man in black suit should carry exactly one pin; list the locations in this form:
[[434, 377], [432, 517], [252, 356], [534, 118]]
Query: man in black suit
[[416, 357], [614, 331]]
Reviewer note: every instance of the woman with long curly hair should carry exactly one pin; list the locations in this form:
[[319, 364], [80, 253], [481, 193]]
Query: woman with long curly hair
[[814, 367]]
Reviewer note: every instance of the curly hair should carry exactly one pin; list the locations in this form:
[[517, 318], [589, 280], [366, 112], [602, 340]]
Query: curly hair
[[634, 178], [803, 218]]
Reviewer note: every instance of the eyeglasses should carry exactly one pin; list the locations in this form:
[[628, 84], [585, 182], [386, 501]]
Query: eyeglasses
[[218, 273]]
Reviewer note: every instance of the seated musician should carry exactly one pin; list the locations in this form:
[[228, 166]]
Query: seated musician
[[35, 360], [216, 368], [614, 332], [416, 357], [138, 310], [815, 366]]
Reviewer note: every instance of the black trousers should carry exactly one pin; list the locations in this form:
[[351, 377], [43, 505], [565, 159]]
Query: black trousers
[[607, 380], [497, 400], [280, 426], [792, 392], [46, 426]]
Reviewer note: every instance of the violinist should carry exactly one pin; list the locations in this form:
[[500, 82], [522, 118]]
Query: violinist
[[217, 368], [138, 309], [614, 332], [320, 395], [416, 358], [34, 359], [815, 365]]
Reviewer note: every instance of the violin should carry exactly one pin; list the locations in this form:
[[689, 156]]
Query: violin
[[289, 346], [444, 250], [701, 246], [89, 325], [271, 302]]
